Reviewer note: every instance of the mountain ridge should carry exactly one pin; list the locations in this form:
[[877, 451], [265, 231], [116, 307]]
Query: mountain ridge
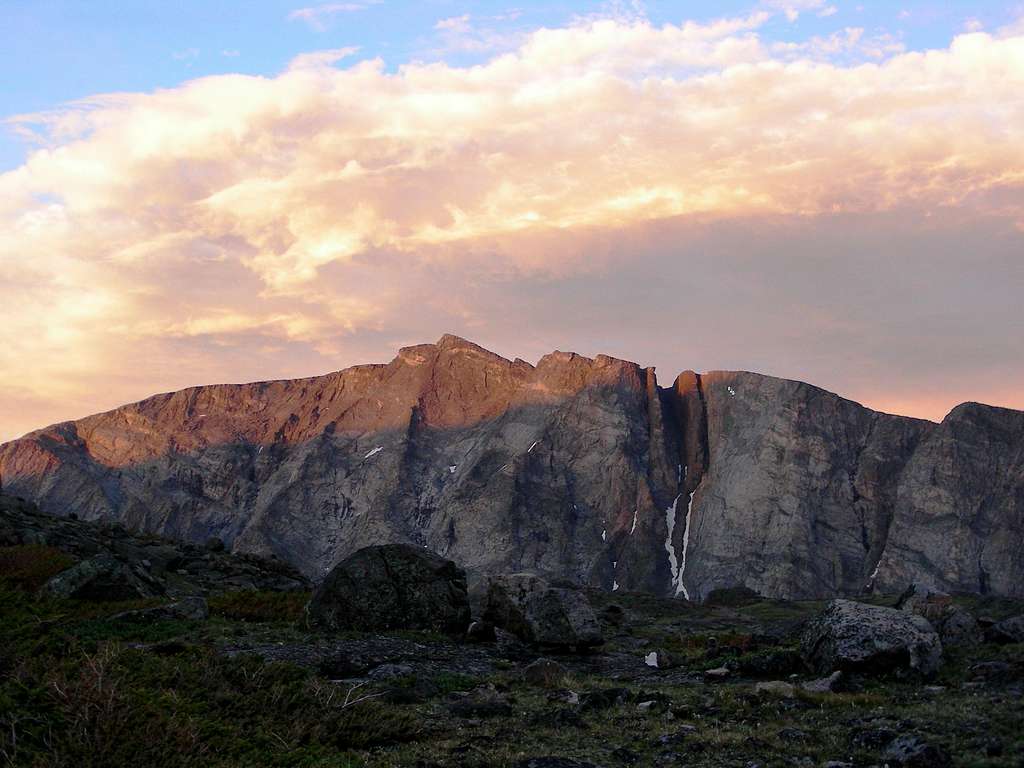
[[450, 340], [575, 467]]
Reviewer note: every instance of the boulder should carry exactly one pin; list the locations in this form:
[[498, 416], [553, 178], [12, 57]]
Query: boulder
[[662, 659], [544, 672], [528, 607], [913, 752], [481, 703], [959, 627], [772, 663], [614, 614], [1006, 631], [187, 609], [869, 639], [924, 601], [777, 688], [481, 632], [955, 625], [103, 578], [392, 586], [824, 684], [717, 674]]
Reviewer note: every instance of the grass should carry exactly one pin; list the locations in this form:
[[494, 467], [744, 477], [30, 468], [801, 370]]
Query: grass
[[29, 566], [79, 688], [249, 605]]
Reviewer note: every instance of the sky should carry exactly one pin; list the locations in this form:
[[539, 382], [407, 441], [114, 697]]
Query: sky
[[205, 192]]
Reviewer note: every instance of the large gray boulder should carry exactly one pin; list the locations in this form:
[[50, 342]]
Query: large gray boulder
[[393, 586], [193, 608], [102, 578], [924, 601], [958, 627], [528, 607], [870, 639], [1006, 631]]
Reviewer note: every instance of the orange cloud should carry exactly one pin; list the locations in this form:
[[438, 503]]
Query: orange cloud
[[218, 208]]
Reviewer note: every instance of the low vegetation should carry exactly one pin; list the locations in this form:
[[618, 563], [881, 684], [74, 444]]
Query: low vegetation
[[80, 687], [29, 566], [261, 606]]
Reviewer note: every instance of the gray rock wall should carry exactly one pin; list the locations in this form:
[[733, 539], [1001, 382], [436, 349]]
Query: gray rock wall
[[576, 467]]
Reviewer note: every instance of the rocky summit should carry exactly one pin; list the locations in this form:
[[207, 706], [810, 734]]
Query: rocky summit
[[573, 468]]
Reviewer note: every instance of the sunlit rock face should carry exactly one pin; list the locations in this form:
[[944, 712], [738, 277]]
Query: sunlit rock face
[[574, 468]]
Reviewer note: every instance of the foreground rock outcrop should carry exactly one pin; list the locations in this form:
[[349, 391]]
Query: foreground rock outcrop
[[870, 639], [534, 611], [110, 563], [578, 468], [393, 586]]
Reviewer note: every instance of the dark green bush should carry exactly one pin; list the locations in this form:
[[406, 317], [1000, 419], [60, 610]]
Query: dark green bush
[[251, 605], [29, 566], [123, 706]]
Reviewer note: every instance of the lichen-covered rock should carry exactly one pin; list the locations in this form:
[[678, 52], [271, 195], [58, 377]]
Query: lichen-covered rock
[[958, 627], [824, 684], [536, 612], [544, 672], [914, 752], [102, 578], [393, 586], [1006, 631], [138, 565], [870, 639], [662, 659], [188, 609], [778, 688], [924, 601]]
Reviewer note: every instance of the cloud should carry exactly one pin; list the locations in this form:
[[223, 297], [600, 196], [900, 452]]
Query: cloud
[[239, 227], [793, 8], [848, 45], [468, 34], [318, 16]]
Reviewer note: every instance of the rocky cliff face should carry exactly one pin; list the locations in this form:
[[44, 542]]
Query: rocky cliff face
[[576, 467]]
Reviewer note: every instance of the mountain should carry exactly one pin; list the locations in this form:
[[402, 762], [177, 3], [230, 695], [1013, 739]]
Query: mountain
[[576, 467]]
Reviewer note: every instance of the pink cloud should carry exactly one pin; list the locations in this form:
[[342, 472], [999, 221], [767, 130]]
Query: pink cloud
[[296, 213]]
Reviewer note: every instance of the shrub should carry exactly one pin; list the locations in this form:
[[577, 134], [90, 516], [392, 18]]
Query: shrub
[[123, 706], [251, 605], [29, 566]]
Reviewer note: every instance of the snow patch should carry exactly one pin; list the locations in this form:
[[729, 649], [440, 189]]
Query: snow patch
[[731, 391], [651, 659], [633, 527], [677, 566], [452, 468], [686, 546], [604, 535], [673, 563], [615, 586], [375, 451], [530, 449]]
